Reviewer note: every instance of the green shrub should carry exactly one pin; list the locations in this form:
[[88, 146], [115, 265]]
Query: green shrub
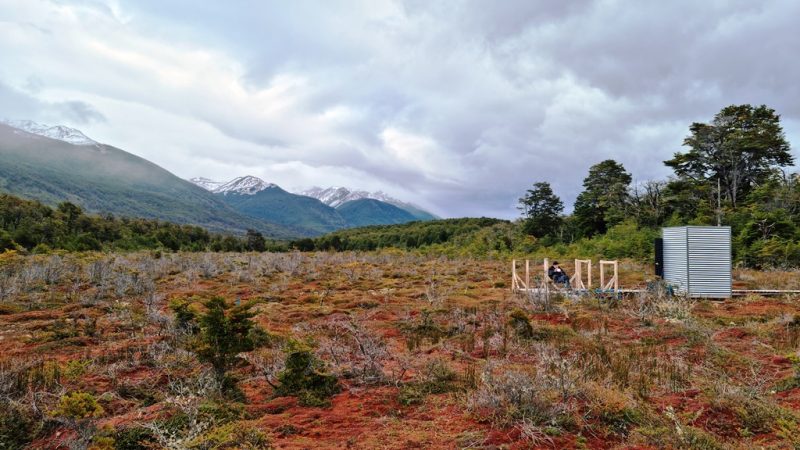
[[411, 394], [17, 426], [303, 379], [78, 406], [519, 322], [425, 330], [184, 316], [232, 435], [436, 378], [134, 438], [226, 331], [221, 412]]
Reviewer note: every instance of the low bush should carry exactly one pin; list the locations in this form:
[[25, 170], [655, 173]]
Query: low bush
[[134, 438], [78, 406], [18, 426], [232, 435], [303, 377]]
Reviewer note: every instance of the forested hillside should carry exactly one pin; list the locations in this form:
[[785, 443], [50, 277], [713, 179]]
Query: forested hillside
[[30, 226]]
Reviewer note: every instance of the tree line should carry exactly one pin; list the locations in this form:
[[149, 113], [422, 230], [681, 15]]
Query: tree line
[[733, 172], [27, 225]]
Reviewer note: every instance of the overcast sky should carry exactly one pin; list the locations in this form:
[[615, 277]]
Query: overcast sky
[[459, 106]]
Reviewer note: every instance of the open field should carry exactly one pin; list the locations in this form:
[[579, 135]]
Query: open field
[[426, 353]]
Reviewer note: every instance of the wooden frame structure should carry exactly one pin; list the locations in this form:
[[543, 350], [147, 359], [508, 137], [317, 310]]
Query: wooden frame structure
[[614, 281], [580, 282], [577, 278]]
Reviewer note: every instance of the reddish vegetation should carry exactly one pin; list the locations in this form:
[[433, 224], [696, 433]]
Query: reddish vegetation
[[637, 373]]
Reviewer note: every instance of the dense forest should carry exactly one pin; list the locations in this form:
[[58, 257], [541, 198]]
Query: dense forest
[[30, 226]]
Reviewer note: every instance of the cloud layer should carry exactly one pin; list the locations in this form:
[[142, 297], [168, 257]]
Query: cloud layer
[[459, 106]]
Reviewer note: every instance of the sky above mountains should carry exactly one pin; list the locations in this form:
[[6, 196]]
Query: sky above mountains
[[458, 106]]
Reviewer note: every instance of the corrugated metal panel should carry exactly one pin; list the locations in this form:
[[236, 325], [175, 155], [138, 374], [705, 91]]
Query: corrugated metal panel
[[675, 257], [709, 252]]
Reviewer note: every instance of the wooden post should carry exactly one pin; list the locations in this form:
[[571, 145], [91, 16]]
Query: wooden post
[[513, 275], [589, 267], [577, 279], [602, 275], [546, 266], [614, 281], [527, 274]]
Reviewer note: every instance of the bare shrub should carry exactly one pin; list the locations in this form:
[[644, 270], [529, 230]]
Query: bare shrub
[[436, 293], [352, 350], [269, 362], [185, 396], [506, 396]]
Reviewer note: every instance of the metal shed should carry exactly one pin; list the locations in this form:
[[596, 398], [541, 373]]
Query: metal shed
[[697, 260]]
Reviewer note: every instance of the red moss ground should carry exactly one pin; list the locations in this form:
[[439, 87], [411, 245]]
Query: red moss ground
[[634, 373]]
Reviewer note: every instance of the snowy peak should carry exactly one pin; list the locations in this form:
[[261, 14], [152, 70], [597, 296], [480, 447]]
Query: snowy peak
[[206, 183], [247, 185], [335, 196], [58, 132]]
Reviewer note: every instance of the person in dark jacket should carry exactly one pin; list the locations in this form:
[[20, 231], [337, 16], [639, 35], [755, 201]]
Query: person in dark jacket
[[557, 274]]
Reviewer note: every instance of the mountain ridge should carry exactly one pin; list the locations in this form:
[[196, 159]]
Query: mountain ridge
[[104, 179]]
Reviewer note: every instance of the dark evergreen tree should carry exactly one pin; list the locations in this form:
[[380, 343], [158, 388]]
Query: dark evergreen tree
[[605, 199], [541, 210], [225, 332], [737, 151]]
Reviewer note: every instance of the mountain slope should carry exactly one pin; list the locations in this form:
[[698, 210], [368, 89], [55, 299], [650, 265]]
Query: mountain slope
[[102, 178], [256, 198], [368, 211]]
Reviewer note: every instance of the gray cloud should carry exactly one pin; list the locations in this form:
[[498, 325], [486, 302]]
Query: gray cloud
[[459, 105], [17, 104], [79, 112]]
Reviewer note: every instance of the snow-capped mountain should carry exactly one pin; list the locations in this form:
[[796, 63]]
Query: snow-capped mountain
[[335, 196], [206, 183], [246, 185], [59, 132]]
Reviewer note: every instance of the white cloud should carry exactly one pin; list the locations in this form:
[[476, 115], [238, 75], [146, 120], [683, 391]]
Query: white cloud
[[456, 105]]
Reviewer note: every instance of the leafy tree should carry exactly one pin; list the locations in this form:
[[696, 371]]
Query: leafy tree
[[541, 209], [225, 332], [71, 212], [256, 241], [739, 149], [605, 199]]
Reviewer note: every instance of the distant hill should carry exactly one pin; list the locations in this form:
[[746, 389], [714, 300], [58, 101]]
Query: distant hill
[[326, 211], [368, 211], [336, 196], [256, 198], [55, 164]]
